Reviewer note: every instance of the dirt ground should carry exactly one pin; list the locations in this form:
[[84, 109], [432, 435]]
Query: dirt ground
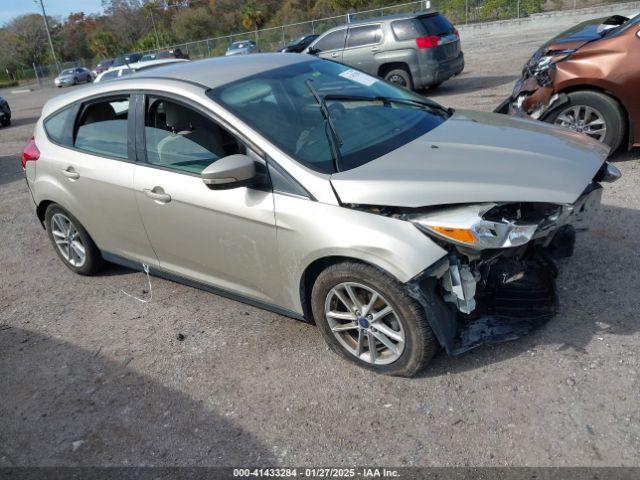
[[89, 376]]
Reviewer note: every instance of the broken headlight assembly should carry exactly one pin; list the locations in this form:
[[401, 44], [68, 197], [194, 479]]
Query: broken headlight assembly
[[540, 66], [468, 226]]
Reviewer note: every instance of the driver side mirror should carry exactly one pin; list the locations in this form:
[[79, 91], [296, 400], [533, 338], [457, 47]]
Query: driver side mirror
[[312, 51], [229, 172]]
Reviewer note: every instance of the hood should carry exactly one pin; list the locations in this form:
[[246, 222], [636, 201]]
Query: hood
[[582, 33], [477, 157]]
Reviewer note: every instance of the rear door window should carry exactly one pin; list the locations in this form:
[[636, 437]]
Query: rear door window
[[333, 41], [367, 35], [102, 128]]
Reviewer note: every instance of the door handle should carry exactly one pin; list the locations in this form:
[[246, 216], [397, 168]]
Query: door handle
[[375, 49], [335, 55], [157, 194], [70, 173]]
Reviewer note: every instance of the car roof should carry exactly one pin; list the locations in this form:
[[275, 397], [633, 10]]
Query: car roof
[[207, 73], [214, 72], [386, 18]]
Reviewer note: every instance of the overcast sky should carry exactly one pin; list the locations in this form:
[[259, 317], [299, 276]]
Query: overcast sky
[[54, 8]]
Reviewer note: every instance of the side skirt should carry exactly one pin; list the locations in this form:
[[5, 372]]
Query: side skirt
[[156, 272]]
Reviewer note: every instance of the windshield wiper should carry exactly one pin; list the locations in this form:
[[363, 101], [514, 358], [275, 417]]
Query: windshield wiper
[[334, 139], [387, 101]]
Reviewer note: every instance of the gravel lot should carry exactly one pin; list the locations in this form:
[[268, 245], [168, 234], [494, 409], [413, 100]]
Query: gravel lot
[[89, 376]]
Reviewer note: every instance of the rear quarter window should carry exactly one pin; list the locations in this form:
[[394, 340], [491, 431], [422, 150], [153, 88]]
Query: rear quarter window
[[436, 25], [56, 126]]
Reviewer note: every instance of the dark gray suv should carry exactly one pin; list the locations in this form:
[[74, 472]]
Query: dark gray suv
[[415, 50]]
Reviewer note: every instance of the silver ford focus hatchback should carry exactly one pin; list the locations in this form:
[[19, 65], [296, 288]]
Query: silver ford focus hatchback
[[319, 192]]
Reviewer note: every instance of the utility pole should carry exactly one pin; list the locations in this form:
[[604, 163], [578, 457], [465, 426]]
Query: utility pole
[[155, 29], [46, 26]]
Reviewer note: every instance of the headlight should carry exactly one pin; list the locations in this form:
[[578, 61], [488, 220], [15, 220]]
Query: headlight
[[551, 58], [465, 226]]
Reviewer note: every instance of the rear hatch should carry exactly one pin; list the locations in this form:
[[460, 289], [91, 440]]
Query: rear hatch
[[449, 43]]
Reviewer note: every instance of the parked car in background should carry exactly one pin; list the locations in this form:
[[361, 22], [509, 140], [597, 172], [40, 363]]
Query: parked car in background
[[299, 44], [414, 51], [173, 53], [73, 76], [586, 79], [303, 186], [126, 59], [124, 70], [244, 47], [5, 112], [102, 67]]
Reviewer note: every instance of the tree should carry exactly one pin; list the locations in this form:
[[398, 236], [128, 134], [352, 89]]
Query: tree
[[25, 40], [73, 36], [103, 44], [252, 16], [194, 24]]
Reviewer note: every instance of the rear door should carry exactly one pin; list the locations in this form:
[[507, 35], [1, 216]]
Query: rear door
[[331, 45], [96, 170], [363, 42]]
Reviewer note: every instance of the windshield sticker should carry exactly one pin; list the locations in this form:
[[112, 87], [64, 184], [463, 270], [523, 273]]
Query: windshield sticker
[[359, 77]]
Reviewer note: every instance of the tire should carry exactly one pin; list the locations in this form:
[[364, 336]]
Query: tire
[[93, 261], [434, 86], [607, 107], [6, 122], [419, 344], [400, 77], [75, 81]]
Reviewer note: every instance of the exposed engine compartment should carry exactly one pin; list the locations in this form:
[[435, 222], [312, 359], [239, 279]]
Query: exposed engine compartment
[[488, 296]]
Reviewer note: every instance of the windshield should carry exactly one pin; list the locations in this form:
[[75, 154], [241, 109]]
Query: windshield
[[67, 72], [279, 104], [236, 46]]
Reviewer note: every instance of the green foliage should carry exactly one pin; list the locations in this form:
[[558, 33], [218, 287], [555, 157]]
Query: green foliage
[[103, 44], [194, 24]]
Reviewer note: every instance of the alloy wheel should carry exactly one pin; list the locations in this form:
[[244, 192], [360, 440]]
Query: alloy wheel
[[583, 119], [68, 240], [364, 323]]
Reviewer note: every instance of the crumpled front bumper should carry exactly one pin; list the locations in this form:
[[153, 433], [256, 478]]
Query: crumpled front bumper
[[514, 290], [532, 97]]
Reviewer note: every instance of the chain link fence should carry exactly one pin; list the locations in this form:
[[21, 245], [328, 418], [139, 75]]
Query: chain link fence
[[270, 39]]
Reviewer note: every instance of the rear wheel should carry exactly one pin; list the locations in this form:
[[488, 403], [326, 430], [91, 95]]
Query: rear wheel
[[71, 241], [594, 114], [400, 77], [366, 317], [5, 122]]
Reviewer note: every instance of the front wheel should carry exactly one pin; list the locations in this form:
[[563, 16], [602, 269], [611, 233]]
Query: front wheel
[[71, 241], [366, 316], [594, 114]]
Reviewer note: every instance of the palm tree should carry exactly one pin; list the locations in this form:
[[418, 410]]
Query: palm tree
[[251, 15]]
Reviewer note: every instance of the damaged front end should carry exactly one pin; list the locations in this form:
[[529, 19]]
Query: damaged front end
[[534, 94], [497, 282]]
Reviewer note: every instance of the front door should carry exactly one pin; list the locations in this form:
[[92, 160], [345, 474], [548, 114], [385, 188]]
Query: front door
[[224, 238]]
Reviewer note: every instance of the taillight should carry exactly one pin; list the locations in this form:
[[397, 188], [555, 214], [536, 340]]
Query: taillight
[[30, 153], [456, 32], [428, 41]]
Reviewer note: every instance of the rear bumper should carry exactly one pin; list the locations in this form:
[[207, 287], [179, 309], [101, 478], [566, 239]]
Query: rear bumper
[[433, 72]]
